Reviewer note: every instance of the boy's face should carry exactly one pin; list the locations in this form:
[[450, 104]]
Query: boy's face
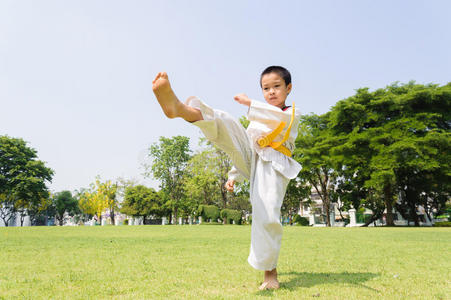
[[274, 89]]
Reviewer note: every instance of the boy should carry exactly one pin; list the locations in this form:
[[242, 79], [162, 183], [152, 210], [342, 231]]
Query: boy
[[262, 154]]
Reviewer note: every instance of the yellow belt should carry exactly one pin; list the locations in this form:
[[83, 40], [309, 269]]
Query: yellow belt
[[268, 139]]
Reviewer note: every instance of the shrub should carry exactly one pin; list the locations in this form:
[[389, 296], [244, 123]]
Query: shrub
[[210, 223], [208, 212], [300, 221], [126, 222], [442, 224], [231, 215]]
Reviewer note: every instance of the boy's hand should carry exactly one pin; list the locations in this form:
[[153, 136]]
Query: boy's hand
[[229, 185], [243, 99]]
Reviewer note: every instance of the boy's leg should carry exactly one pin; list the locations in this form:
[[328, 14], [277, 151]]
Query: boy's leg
[[171, 105], [267, 191], [226, 133]]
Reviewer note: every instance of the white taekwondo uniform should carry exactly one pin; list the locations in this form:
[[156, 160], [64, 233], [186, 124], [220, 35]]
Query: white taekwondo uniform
[[267, 170]]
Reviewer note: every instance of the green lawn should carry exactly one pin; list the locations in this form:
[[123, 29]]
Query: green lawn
[[209, 262]]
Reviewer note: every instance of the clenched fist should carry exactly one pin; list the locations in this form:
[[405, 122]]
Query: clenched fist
[[229, 185]]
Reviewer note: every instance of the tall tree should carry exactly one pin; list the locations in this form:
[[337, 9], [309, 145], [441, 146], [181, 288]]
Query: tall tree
[[200, 178], [397, 142], [22, 177], [313, 146], [169, 160], [295, 193]]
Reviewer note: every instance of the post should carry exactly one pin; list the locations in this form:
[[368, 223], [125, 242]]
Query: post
[[311, 218], [332, 214], [352, 220]]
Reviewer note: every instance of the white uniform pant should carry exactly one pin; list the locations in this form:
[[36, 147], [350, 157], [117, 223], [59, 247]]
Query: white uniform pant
[[267, 186]]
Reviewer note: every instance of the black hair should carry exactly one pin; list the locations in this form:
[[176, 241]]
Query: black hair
[[281, 71]]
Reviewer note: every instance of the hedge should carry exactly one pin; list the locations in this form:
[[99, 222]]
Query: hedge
[[301, 221], [208, 212], [231, 215], [442, 224]]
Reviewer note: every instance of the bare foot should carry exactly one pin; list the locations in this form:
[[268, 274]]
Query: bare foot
[[171, 105], [165, 95], [270, 281]]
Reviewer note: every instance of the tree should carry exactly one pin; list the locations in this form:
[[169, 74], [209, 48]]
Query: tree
[[141, 201], [293, 196], [40, 211], [397, 141], [313, 146], [63, 202], [22, 178], [109, 191], [200, 179], [170, 157]]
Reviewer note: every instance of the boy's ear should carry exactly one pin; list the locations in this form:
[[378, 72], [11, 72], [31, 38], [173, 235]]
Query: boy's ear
[[289, 86]]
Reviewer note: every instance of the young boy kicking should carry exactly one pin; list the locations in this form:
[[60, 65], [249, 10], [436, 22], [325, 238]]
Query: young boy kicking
[[261, 154]]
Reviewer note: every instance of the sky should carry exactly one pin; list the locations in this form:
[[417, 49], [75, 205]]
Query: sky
[[75, 76]]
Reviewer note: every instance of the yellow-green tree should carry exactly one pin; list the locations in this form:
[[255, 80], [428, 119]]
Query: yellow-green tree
[[109, 191], [99, 197]]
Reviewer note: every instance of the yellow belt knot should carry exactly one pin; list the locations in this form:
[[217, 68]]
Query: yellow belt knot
[[268, 139]]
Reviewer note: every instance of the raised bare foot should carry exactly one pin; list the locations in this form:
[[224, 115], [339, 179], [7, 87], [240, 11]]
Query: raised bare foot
[[270, 281], [165, 95], [171, 105]]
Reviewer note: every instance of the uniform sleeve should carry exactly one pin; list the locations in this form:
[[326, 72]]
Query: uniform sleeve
[[235, 175], [267, 113]]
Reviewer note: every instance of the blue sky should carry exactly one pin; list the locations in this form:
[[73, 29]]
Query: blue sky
[[75, 76]]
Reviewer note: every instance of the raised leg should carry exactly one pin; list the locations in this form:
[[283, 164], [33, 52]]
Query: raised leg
[[171, 105]]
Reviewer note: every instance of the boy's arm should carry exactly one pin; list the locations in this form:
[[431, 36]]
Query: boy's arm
[[264, 113], [235, 175]]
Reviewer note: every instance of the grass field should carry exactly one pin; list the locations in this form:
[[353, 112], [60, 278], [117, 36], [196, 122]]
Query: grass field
[[209, 262]]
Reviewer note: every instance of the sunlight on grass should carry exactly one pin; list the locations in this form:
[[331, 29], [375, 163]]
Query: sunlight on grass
[[210, 262]]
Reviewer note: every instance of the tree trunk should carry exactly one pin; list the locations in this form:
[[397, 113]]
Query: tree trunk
[[5, 219], [112, 216], [327, 208], [413, 214], [389, 205], [175, 215], [373, 218]]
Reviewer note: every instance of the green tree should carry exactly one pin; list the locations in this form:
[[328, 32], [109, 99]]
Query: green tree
[[200, 178], [64, 202], [22, 178], [141, 201], [169, 160], [397, 141], [294, 194], [313, 152]]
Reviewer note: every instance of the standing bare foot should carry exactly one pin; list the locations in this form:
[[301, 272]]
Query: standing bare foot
[[171, 105], [270, 281]]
